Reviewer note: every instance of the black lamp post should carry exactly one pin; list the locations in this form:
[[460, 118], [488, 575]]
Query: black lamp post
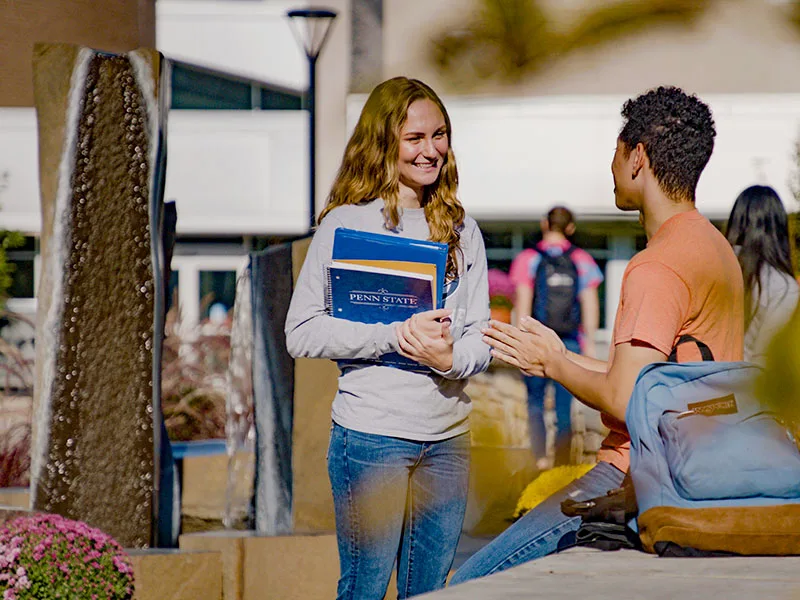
[[311, 27]]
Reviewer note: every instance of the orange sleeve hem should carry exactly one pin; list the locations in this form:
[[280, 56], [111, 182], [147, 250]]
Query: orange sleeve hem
[[639, 338]]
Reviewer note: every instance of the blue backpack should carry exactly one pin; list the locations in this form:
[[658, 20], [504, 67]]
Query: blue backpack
[[714, 471]]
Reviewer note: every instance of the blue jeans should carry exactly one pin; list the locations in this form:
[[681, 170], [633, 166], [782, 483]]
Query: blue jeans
[[563, 401], [396, 500], [542, 531]]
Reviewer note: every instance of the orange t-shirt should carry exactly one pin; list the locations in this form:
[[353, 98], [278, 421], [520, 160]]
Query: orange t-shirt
[[687, 281]]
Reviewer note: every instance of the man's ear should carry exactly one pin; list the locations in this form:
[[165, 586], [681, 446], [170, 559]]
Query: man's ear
[[544, 225], [569, 229], [639, 160]]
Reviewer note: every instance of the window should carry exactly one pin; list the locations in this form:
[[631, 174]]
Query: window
[[204, 280], [173, 289], [195, 87], [217, 294], [22, 279], [23, 284]]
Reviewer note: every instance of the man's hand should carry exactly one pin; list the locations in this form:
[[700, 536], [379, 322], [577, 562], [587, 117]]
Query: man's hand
[[530, 349], [425, 337], [531, 325]]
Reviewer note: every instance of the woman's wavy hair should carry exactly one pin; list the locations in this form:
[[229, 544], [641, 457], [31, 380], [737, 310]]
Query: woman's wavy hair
[[758, 225], [369, 167]]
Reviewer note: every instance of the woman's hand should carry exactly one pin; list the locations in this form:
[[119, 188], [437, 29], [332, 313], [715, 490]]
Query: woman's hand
[[425, 337]]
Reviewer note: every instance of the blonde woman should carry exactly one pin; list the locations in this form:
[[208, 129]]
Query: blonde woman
[[398, 458]]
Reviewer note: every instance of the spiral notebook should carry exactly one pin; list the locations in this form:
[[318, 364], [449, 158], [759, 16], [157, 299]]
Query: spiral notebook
[[393, 252], [395, 277], [370, 294]]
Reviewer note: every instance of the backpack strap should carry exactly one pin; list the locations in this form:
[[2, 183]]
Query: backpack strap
[[705, 351]]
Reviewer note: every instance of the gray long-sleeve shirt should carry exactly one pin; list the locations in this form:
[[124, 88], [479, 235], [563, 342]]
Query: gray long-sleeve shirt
[[384, 400], [774, 303]]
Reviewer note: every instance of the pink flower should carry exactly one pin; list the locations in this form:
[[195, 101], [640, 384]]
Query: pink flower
[[69, 555], [501, 288]]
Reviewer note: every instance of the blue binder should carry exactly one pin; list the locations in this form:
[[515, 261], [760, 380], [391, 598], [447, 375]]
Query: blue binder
[[368, 294], [354, 245]]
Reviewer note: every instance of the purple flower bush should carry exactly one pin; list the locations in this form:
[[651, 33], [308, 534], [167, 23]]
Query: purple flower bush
[[501, 289], [44, 556]]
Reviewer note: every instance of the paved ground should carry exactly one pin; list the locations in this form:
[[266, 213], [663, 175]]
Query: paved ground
[[595, 575]]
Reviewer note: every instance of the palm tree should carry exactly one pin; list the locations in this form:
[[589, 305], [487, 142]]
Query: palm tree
[[513, 39], [794, 13]]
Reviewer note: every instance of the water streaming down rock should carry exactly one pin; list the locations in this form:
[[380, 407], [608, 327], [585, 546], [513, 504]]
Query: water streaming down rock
[[101, 294], [239, 426]]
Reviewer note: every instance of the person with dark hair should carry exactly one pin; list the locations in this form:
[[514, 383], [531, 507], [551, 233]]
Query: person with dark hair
[[556, 283], [399, 450], [686, 282], [758, 230]]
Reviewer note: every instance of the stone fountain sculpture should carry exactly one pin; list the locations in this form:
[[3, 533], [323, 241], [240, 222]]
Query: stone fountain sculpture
[[95, 454]]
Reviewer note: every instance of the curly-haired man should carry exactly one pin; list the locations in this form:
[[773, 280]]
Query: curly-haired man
[[686, 282]]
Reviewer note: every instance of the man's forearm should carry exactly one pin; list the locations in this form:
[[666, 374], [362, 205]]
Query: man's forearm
[[587, 362], [590, 318], [589, 384]]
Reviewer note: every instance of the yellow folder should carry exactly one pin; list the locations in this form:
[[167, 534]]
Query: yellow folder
[[399, 265]]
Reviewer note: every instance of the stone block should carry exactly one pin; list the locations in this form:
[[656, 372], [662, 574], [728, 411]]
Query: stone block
[[230, 547], [7, 513], [177, 575], [294, 567], [312, 501], [298, 567], [204, 482], [593, 441], [315, 385], [15, 496], [592, 419], [499, 408]]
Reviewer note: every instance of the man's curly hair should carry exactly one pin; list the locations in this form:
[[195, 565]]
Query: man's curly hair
[[677, 132]]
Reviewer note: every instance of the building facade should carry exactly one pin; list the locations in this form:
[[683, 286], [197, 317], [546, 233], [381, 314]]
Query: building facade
[[237, 139]]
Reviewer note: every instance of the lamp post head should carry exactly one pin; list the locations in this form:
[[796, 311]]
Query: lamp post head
[[311, 27]]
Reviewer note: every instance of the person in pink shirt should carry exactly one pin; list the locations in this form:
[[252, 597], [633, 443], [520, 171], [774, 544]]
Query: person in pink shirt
[[574, 316]]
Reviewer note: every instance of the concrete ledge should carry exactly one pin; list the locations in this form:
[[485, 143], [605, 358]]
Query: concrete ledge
[[8, 513], [588, 573], [177, 575], [295, 567], [15, 496]]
